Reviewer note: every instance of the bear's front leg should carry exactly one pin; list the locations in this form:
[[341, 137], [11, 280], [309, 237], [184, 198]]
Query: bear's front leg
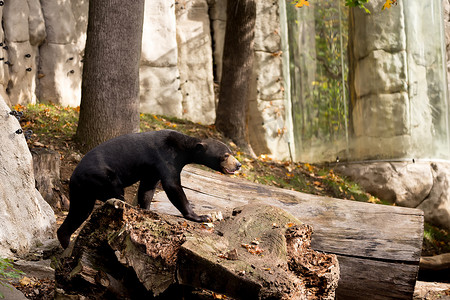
[[178, 198], [146, 191]]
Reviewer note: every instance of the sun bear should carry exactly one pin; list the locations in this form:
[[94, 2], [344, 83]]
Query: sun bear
[[148, 157]]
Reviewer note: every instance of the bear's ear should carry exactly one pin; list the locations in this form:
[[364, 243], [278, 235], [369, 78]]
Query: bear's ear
[[201, 147]]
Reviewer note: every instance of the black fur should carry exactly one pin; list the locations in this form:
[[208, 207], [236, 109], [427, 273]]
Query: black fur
[[147, 157]]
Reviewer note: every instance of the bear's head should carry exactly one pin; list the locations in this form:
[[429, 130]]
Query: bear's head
[[217, 156]]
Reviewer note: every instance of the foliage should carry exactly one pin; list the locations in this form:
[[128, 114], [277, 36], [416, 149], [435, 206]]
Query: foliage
[[7, 271], [435, 240], [351, 3], [48, 121], [319, 74]]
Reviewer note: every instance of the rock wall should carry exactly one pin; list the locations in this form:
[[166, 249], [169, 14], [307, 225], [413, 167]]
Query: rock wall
[[27, 220], [181, 61], [177, 63], [399, 83], [159, 75], [267, 111], [60, 66], [381, 114], [446, 20]]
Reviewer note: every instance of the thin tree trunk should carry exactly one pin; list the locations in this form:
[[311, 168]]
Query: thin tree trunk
[[237, 68], [110, 88]]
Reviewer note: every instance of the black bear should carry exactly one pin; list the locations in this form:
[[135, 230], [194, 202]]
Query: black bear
[[148, 157]]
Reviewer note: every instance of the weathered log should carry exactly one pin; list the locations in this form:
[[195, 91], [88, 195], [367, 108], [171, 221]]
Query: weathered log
[[378, 246], [260, 252]]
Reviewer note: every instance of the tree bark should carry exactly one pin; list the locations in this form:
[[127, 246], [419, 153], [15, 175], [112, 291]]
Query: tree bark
[[231, 115], [110, 83], [46, 167]]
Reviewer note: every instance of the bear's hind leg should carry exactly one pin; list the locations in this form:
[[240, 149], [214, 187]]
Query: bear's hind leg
[[79, 211]]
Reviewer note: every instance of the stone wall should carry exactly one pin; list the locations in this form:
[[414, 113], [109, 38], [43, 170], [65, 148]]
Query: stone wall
[[446, 20], [399, 83], [60, 66], [267, 111]]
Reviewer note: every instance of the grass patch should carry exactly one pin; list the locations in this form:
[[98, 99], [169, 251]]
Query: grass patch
[[435, 240]]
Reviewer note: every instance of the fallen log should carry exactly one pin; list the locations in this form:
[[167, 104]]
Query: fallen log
[[378, 246], [258, 252]]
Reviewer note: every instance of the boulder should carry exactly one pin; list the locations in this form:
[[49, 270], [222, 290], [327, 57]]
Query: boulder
[[59, 21], [376, 31], [422, 185], [15, 21], [383, 115], [27, 220], [381, 72]]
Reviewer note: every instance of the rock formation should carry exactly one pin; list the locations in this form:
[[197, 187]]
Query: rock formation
[[27, 220]]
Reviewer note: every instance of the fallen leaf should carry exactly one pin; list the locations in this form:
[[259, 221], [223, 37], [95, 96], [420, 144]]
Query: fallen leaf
[[25, 281], [300, 3]]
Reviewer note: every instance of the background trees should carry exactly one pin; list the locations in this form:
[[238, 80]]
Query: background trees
[[237, 68], [110, 86]]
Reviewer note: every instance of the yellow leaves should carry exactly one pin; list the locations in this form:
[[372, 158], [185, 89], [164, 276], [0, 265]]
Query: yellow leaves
[[309, 167], [388, 4], [374, 200], [300, 3], [162, 120], [19, 107]]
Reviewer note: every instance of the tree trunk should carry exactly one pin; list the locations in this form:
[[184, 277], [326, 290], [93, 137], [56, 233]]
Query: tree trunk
[[110, 87], [237, 68], [46, 167], [260, 252]]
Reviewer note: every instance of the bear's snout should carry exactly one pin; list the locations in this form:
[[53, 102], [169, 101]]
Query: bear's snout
[[230, 164]]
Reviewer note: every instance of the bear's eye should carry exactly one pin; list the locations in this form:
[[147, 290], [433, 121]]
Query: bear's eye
[[225, 157]]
